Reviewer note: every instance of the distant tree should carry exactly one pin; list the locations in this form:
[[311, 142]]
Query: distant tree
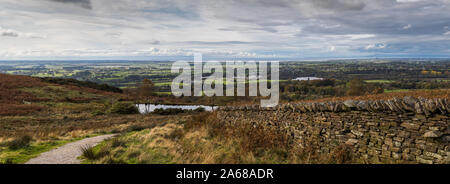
[[378, 90], [123, 108], [145, 90], [355, 87]]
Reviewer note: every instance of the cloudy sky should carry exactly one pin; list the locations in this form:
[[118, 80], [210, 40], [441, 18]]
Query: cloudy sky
[[155, 29]]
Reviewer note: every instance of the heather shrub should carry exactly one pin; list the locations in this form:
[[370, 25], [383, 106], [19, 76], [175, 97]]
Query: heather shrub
[[20, 142], [124, 108]]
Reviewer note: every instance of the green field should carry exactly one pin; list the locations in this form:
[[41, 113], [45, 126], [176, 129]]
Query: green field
[[378, 81]]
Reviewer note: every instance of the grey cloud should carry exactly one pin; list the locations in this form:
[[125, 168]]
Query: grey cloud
[[155, 42], [246, 29], [10, 34], [387, 18], [82, 3], [353, 5], [218, 43]]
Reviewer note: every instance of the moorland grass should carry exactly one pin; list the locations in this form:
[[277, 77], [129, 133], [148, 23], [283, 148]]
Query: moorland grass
[[25, 153]]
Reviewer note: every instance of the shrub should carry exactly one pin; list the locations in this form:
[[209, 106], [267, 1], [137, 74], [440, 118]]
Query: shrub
[[170, 111], [20, 142], [124, 108], [173, 111], [198, 120], [97, 113], [176, 134], [8, 161], [355, 87], [255, 137], [117, 142], [200, 109], [88, 152], [88, 84], [341, 155], [135, 128]]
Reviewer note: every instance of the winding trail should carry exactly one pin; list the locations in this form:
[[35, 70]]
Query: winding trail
[[68, 153]]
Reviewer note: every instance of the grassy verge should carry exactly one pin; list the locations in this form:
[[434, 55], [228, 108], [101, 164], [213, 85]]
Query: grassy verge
[[25, 153]]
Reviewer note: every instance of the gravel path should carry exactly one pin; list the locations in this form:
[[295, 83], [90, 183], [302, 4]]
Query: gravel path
[[68, 153]]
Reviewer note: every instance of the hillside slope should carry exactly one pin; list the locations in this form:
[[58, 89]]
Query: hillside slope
[[20, 95]]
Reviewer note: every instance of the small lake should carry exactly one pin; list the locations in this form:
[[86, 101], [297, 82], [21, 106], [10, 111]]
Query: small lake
[[307, 78], [147, 108]]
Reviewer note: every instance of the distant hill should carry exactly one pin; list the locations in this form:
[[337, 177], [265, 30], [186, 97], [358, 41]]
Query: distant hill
[[19, 95], [88, 84]]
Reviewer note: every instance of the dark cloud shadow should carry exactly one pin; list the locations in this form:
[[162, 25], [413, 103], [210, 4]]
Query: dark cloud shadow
[[82, 3]]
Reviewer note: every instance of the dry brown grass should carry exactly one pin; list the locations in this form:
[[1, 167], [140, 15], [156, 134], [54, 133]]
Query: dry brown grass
[[74, 125], [430, 94], [11, 98], [271, 144], [14, 94]]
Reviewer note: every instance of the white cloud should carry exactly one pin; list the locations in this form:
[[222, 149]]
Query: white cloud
[[331, 48], [14, 33], [8, 32], [408, 1], [360, 36], [407, 27], [375, 46]]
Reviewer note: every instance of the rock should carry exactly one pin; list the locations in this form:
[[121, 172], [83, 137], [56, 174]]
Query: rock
[[391, 105], [398, 104], [330, 106], [409, 103], [440, 105], [432, 134], [322, 107], [362, 106], [423, 104], [357, 133], [424, 161], [313, 107], [418, 108], [383, 105], [350, 103], [308, 107], [372, 106], [410, 126], [376, 106], [447, 105], [446, 138], [430, 106], [351, 142], [301, 107], [396, 156], [435, 155]]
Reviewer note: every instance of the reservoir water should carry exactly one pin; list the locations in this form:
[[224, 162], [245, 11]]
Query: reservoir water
[[147, 108]]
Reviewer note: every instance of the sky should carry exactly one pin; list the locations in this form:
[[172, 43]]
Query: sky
[[171, 29]]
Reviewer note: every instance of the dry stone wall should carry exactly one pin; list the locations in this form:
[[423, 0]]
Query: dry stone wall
[[391, 131]]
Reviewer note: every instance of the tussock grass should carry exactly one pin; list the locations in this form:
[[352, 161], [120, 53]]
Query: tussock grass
[[20, 142], [33, 149], [88, 152]]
